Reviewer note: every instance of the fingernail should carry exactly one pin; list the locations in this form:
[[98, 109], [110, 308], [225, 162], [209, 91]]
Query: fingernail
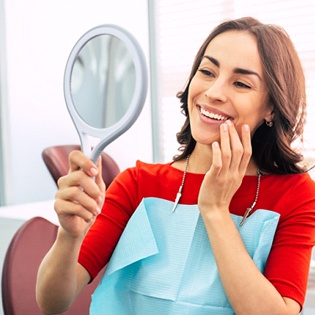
[[99, 199], [94, 171], [224, 126], [228, 122], [215, 144], [98, 211], [246, 128]]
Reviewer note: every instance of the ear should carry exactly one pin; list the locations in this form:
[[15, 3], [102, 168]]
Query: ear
[[269, 113]]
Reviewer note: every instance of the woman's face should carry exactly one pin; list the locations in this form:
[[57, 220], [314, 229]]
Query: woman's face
[[228, 84]]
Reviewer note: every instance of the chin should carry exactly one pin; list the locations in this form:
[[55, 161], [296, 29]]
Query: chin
[[206, 141], [206, 137]]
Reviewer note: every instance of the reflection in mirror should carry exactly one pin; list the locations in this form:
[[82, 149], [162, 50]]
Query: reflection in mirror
[[103, 81]]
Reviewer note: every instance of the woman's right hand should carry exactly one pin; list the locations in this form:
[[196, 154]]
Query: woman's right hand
[[80, 196]]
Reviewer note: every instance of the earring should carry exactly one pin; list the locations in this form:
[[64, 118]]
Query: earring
[[269, 123]]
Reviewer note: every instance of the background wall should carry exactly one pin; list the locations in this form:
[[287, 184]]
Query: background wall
[[36, 39]]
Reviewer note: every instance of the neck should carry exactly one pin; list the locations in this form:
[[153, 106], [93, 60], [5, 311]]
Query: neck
[[200, 162]]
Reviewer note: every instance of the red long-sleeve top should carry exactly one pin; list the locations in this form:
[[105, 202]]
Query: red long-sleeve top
[[292, 196]]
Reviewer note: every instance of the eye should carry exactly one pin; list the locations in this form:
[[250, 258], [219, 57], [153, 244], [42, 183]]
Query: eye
[[242, 85], [206, 72]]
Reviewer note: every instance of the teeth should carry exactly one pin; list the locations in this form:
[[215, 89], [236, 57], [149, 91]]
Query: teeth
[[212, 115]]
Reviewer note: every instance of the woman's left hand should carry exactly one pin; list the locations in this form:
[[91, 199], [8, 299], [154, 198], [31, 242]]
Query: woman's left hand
[[230, 159]]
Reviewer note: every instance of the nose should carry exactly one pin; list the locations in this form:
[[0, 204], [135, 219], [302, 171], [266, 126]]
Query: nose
[[217, 91]]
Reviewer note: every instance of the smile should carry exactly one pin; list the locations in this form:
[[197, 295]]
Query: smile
[[213, 115]]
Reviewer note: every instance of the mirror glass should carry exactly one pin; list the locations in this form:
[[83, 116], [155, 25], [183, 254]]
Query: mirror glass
[[103, 74], [105, 86]]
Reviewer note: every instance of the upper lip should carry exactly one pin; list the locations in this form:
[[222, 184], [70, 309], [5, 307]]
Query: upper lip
[[214, 111]]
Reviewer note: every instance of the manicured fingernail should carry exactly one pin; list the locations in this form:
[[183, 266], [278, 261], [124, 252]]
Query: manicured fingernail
[[228, 122], [224, 126], [98, 211], [94, 171]]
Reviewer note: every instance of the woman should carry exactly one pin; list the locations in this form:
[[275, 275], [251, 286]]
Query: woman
[[239, 236]]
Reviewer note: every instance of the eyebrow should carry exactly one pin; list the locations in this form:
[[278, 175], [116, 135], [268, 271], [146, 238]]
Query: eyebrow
[[236, 70]]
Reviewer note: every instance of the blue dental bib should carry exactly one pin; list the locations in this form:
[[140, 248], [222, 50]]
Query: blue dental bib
[[164, 265]]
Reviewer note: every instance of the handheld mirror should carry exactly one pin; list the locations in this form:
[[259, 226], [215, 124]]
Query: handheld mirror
[[105, 86]]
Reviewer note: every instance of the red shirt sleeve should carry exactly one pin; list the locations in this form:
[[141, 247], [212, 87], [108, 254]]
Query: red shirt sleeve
[[289, 260], [121, 200]]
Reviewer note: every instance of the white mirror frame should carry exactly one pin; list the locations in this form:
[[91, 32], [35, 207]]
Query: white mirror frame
[[109, 134]]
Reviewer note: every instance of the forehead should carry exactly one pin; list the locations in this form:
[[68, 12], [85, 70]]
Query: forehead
[[237, 49]]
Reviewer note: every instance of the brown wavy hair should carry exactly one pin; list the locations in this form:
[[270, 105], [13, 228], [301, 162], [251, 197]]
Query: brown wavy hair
[[285, 82]]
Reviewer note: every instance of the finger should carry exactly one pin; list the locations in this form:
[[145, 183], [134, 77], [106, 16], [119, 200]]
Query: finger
[[247, 148], [100, 183], [78, 160], [216, 166], [69, 208], [78, 201], [79, 179], [237, 149], [99, 178], [225, 147]]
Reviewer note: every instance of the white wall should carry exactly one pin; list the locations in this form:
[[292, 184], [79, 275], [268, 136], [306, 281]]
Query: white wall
[[39, 36]]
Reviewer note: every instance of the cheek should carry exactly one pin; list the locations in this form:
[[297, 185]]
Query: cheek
[[252, 125], [191, 95], [196, 87], [250, 117]]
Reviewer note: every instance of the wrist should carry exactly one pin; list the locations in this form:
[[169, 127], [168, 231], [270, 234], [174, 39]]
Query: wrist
[[69, 238], [215, 214]]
